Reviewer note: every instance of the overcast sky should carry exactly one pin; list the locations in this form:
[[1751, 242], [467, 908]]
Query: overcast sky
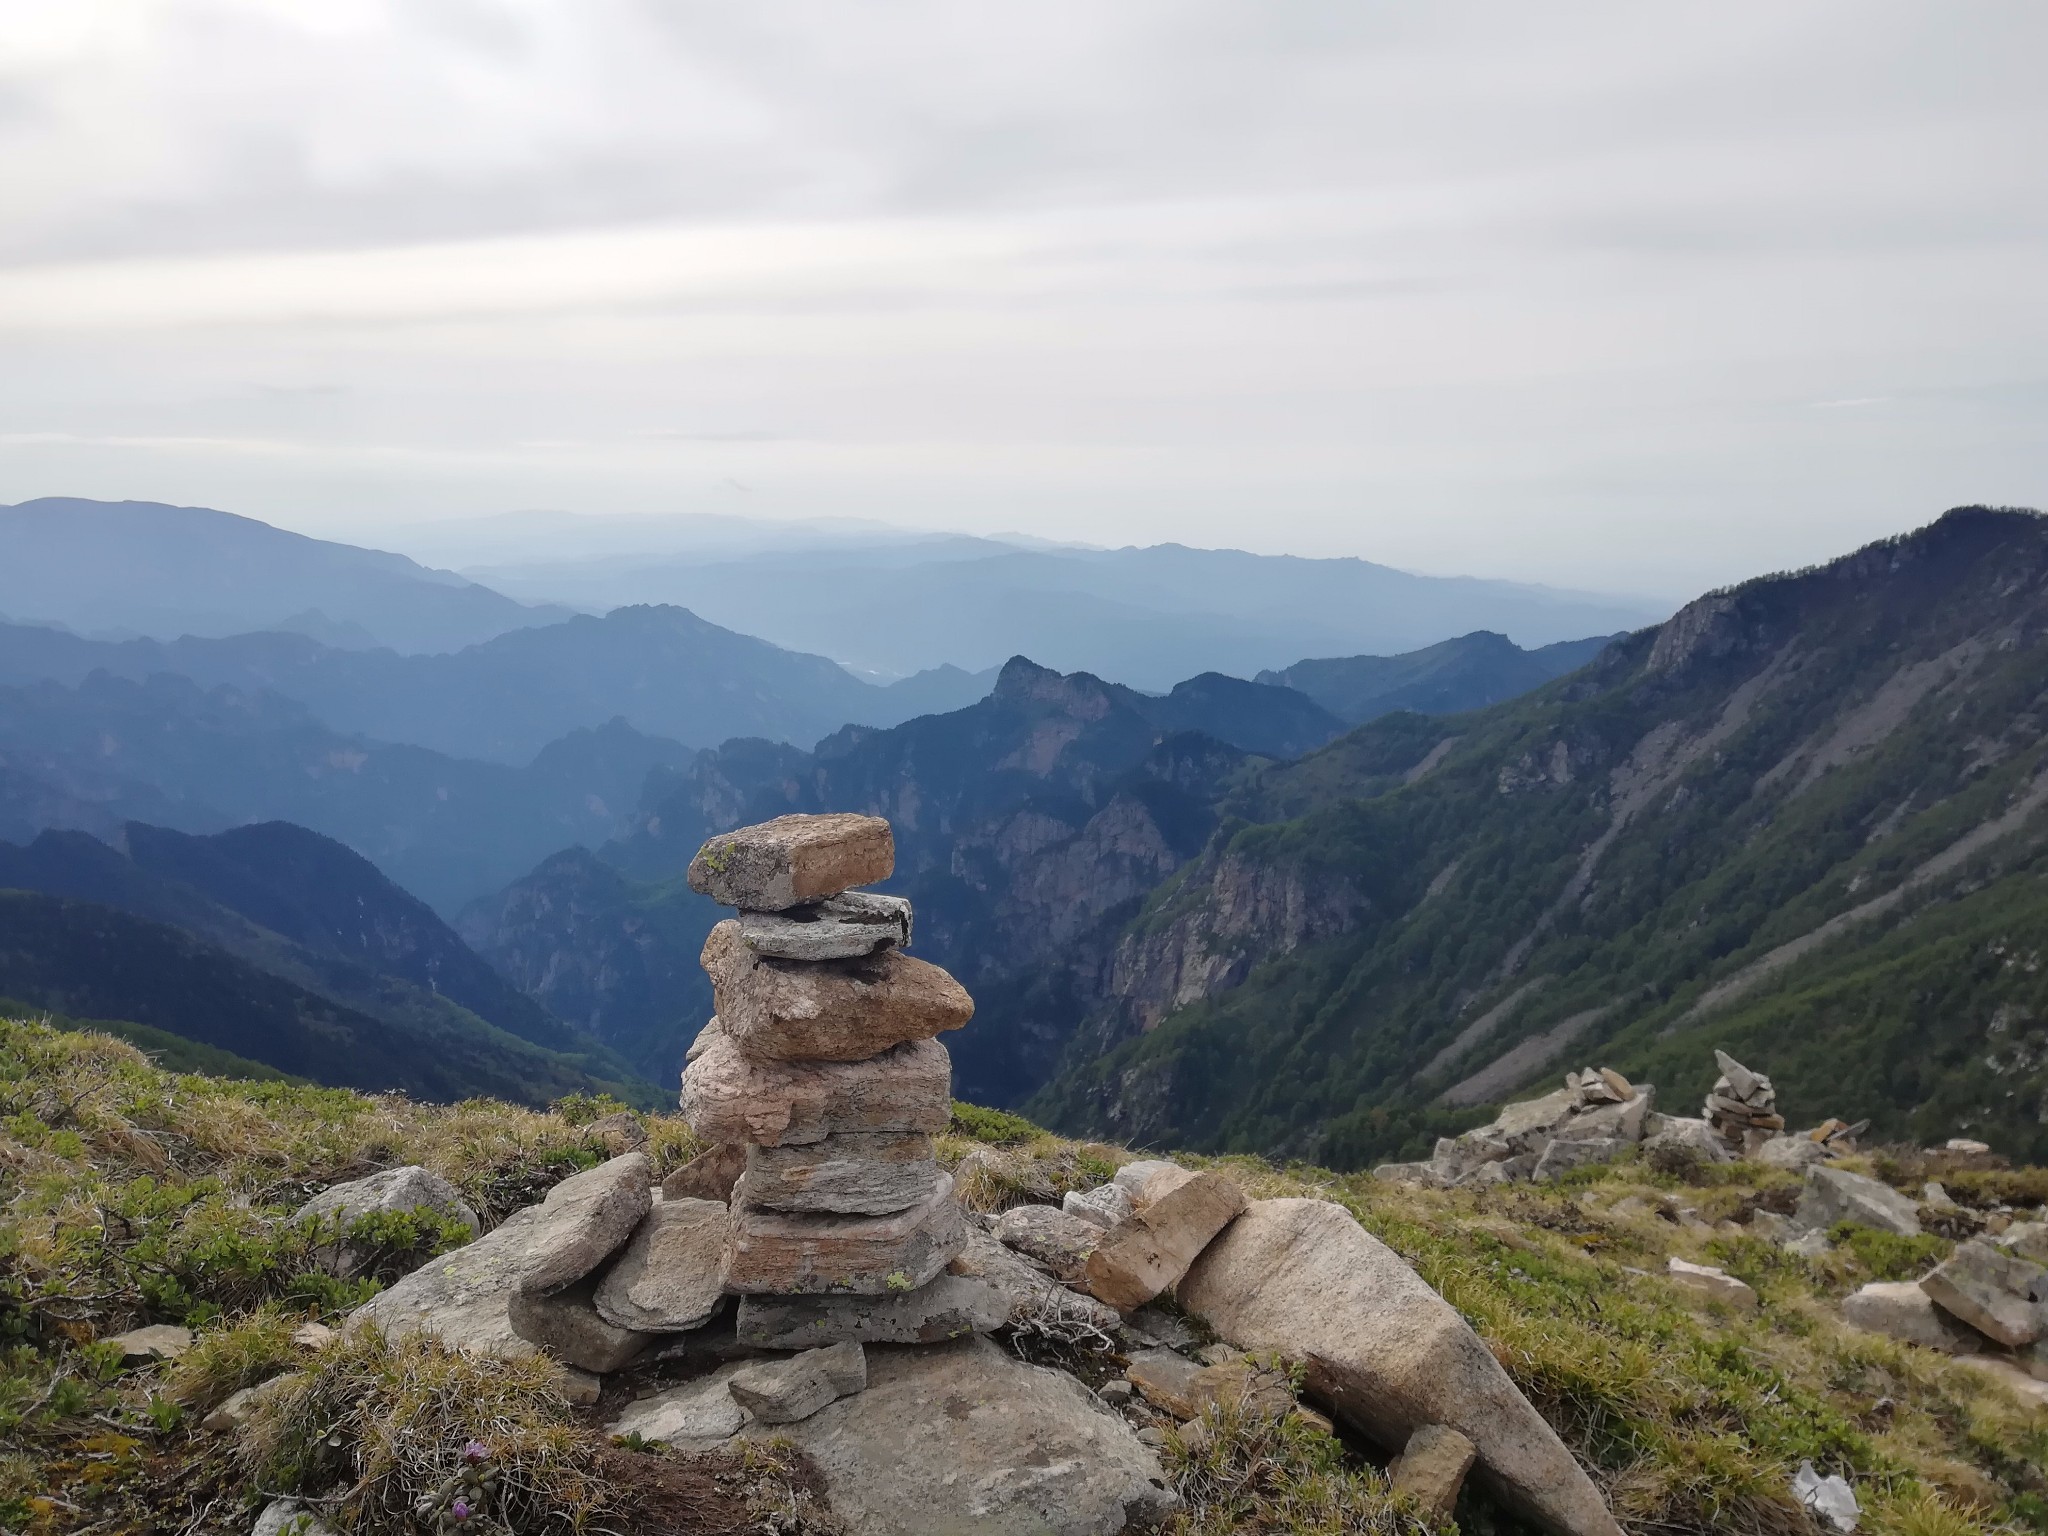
[[1623, 296]]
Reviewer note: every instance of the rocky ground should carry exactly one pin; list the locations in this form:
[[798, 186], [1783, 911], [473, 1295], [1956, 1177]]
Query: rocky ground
[[1701, 1335]]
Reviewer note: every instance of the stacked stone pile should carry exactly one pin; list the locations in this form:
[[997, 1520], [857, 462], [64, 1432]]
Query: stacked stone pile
[[1597, 1117], [821, 1061], [1743, 1106]]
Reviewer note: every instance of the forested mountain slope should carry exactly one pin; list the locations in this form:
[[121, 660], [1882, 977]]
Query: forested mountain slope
[[1806, 809], [1447, 678]]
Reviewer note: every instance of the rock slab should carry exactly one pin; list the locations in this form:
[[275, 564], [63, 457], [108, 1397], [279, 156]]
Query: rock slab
[[1901, 1310], [783, 1254], [835, 1010], [961, 1438], [838, 928], [1991, 1290], [858, 1174], [1058, 1240], [791, 860], [569, 1327], [1835, 1195], [731, 1097], [1383, 1350], [693, 1417], [1714, 1284], [707, 1176], [789, 1391], [949, 1307], [584, 1219], [669, 1277], [1175, 1212], [1431, 1469]]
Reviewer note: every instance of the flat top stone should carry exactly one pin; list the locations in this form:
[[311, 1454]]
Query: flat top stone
[[792, 860], [461, 1298], [961, 1439], [946, 1307], [585, 1218], [670, 1276], [693, 1417], [157, 1341], [783, 1253]]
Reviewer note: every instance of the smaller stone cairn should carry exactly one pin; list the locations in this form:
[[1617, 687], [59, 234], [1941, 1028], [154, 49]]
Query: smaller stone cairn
[[821, 1061], [1743, 1106]]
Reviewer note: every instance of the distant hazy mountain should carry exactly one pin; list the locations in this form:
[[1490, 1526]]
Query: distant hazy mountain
[[169, 751], [143, 568], [1448, 678], [1146, 617], [664, 670]]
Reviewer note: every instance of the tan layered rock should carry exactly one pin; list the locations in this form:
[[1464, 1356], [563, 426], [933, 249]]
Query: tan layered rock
[[1175, 1212], [669, 1277], [792, 860], [1382, 1350], [1431, 1469], [781, 1253], [835, 1010], [859, 1173], [729, 1096]]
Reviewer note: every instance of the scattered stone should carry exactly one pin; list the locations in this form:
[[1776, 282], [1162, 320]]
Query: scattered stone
[[1562, 1156], [693, 1417], [1903, 1311], [462, 1298], [311, 1335], [669, 1278], [949, 1307], [1188, 1388], [1319, 1422], [1835, 1195], [777, 1253], [1195, 1436], [158, 1341], [1966, 1146], [1771, 1227], [1808, 1245], [1152, 1437], [1424, 1175], [1167, 1380], [2028, 1390], [1104, 1206], [731, 1097], [2028, 1239], [1994, 1291], [288, 1517], [410, 1188], [1431, 1469], [707, 1176], [569, 1327], [786, 1391], [1036, 1302], [859, 1173], [838, 928], [840, 1010], [1055, 1238], [618, 1133], [1714, 1284], [1791, 1152], [239, 1407], [1301, 1278], [578, 1387], [1175, 1214], [1116, 1391], [792, 860], [1162, 1327], [1936, 1198], [584, 1219], [961, 1437], [1830, 1498]]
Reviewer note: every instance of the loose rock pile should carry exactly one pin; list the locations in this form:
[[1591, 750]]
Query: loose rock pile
[[1984, 1301], [1597, 1117]]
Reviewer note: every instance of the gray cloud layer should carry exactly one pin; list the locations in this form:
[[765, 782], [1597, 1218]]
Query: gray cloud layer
[[1601, 294]]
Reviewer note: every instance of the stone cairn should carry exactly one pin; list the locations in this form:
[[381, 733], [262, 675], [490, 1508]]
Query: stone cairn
[[1743, 1106], [821, 1063]]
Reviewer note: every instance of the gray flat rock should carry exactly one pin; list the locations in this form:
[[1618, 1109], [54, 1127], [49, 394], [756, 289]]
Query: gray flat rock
[[788, 1391], [670, 1275], [961, 1438], [782, 1253], [1055, 1238], [852, 923], [949, 1307], [409, 1188], [696, 1416], [1834, 1195], [462, 1298], [584, 1219], [568, 1326], [1562, 1156]]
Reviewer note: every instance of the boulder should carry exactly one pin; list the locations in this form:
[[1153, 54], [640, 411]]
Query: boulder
[[960, 1437], [731, 1097], [462, 1298], [1714, 1284], [696, 1416], [787, 1391], [569, 1327], [1993, 1291], [1033, 1298], [838, 928], [1175, 1212], [707, 1176], [618, 1133], [409, 1188], [158, 1341], [1431, 1470], [835, 1010], [1103, 1206], [1623, 1120], [584, 1219], [791, 860], [1835, 1195], [1517, 1124], [1675, 1137], [1053, 1237], [1561, 1156], [669, 1277], [860, 1174], [1384, 1351], [949, 1307], [1791, 1152], [1901, 1310], [783, 1254]]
